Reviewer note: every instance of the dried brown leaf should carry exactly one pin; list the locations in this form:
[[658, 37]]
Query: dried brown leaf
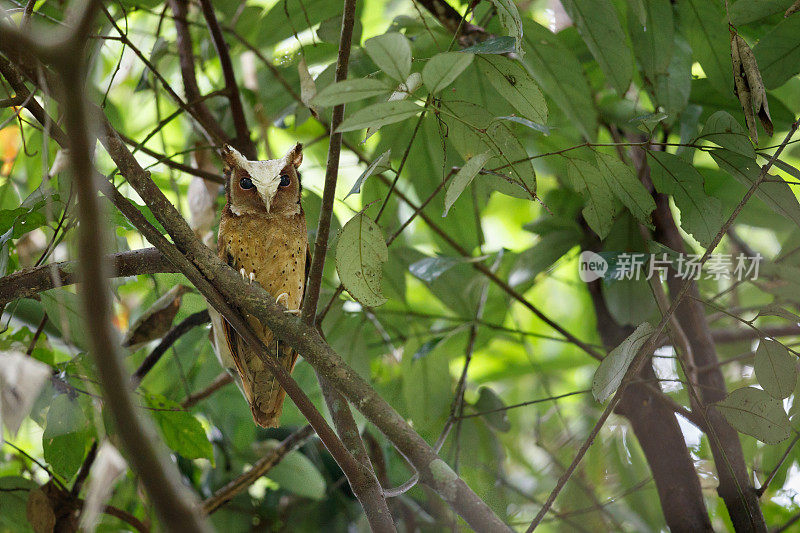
[[749, 86], [156, 321]]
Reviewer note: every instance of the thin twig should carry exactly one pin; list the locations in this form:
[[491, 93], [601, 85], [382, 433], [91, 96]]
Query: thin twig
[[261, 467]]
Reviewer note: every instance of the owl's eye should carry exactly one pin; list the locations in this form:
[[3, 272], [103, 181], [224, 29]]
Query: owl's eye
[[246, 183], [285, 181]]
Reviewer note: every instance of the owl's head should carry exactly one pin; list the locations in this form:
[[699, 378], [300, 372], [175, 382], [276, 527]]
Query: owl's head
[[263, 187]]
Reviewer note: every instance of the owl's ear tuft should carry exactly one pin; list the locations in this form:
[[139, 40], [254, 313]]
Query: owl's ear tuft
[[231, 156], [295, 155]]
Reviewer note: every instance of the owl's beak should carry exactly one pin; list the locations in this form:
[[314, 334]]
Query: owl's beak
[[267, 189]]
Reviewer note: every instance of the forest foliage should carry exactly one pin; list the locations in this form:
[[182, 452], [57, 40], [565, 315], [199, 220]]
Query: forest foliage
[[482, 156]]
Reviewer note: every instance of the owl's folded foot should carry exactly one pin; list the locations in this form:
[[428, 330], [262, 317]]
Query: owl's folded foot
[[247, 277], [285, 296]]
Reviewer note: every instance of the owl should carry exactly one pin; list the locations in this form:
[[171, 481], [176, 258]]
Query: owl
[[262, 234]]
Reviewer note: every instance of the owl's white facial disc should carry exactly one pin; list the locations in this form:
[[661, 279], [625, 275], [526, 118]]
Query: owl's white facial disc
[[266, 175]]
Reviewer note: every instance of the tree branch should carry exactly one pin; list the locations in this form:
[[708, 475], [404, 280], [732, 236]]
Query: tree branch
[[262, 466], [187, 324], [254, 300], [186, 60], [30, 281], [243, 141], [171, 500], [368, 491]]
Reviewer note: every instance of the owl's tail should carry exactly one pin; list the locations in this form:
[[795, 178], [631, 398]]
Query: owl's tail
[[267, 396]]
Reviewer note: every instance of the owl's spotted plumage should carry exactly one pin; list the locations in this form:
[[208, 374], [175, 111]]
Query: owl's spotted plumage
[[262, 234]]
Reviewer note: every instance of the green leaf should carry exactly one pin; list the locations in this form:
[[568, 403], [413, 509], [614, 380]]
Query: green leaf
[[705, 25], [296, 473], [701, 214], [287, 17], [65, 436], [360, 254], [653, 39], [527, 123], [672, 89], [379, 114], [775, 369], [609, 374], [442, 69], [463, 178], [496, 45], [747, 11], [600, 203], [382, 159], [65, 312], [392, 53], [14, 492], [623, 183], [754, 412], [778, 53], [182, 432], [515, 84], [722, 129], [430, 268], [488, 400], [349, 91], [511, 22], [599, 25], [478, 132], [777, 310], [775, 193], [560, 75], [426, 386]]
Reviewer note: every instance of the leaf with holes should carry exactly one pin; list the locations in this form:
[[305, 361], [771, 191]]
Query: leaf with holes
[[360, 255], [608, 376], [515, 84], [775, 368], [756, 413]]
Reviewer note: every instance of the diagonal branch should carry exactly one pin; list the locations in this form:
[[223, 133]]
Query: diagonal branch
[[262, 466], [243, 141], [200, 264], [369, 491], [188, 74]]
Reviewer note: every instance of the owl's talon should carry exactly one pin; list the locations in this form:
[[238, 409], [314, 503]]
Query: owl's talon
[[295, 312], [241, 273], [283, 295], [252, 276]]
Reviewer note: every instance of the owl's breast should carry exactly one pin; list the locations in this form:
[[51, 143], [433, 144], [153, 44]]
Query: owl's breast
[[274, 249]]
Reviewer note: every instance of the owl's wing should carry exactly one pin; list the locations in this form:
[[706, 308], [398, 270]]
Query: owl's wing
[[230, 344]]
